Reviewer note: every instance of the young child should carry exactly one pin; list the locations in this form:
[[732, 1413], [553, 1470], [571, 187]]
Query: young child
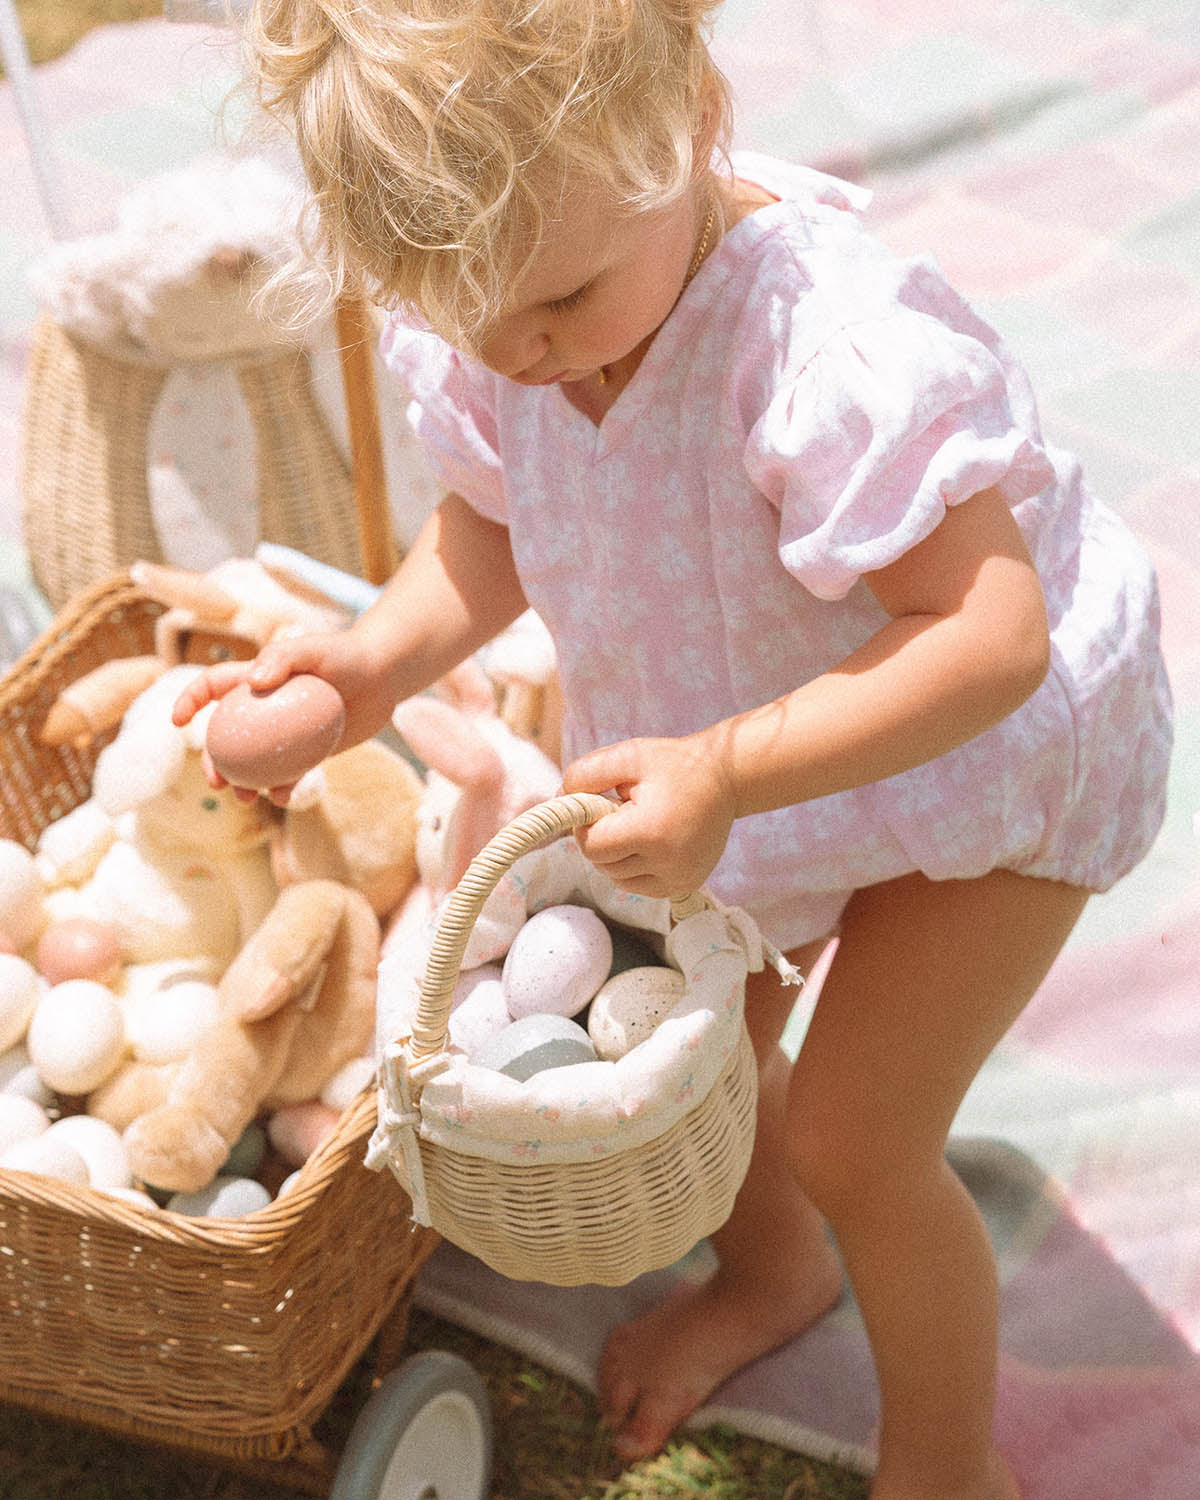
[[853, 645]]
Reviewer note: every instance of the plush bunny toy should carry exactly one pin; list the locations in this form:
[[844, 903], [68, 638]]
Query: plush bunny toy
[[481, 776]]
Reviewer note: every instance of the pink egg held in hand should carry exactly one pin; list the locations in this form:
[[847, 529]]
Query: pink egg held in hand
[[265, 740]]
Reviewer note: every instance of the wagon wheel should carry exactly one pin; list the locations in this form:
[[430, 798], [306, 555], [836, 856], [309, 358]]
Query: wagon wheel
[[425, 1434]]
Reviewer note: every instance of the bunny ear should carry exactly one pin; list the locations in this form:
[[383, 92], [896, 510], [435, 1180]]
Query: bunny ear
[[468, 687], [447, 741], [139, 764]]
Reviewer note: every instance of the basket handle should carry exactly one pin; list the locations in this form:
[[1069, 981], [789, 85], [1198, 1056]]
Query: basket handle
[[540, 825]]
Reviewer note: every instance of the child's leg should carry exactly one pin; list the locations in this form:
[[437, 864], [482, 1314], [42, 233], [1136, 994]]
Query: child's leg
[[657, 1369], [927, 977]]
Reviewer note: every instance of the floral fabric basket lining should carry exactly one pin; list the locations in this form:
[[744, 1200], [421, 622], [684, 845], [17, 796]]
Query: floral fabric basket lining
[[595, 1172]]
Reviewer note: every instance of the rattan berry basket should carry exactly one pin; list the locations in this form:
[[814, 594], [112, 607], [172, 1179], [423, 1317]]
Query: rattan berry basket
[[603, 1212], [226, 1337]]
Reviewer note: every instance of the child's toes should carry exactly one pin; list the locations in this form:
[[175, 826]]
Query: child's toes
[[645, 1430]]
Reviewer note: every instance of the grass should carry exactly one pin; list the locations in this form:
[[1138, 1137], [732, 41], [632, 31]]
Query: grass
[[549, 1444]]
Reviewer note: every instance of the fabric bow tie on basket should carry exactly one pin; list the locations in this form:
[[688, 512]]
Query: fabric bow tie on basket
[[599, 1171]]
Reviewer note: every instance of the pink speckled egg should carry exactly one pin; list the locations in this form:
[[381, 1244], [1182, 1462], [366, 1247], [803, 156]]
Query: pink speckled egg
[[79, 948], [265, 740], [557, 962]]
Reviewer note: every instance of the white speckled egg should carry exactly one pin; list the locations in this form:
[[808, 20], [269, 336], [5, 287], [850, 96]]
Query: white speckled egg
[[101, 1147], [20, 1120], [223, 1198], [19, 1076], [630, 1006], [19, 990], [46, 1157], [21, 894], [535, 1043], [77, 1036], [479, 1010], [557, 962]]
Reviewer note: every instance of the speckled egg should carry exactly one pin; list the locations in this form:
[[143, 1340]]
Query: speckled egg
[[534, 1044], [630, 1006], [557, 962], [264, 740], [19, 990], [79, 948], [479, 1010]]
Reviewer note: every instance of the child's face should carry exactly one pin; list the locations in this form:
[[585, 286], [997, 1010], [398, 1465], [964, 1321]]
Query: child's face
[[599, 286]]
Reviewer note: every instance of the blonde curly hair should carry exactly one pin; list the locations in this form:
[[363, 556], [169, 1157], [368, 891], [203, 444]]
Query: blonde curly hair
[[437, 134]]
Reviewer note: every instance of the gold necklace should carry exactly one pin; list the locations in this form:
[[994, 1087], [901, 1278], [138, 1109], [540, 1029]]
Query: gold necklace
[[696, 262]]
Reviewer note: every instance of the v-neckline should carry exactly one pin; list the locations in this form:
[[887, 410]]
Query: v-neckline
[[618, 421]]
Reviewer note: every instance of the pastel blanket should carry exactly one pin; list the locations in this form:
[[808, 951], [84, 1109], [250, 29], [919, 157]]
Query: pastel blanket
[[1048, 153]]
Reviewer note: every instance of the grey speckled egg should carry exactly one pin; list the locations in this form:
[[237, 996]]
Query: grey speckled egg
[[535, 1043]]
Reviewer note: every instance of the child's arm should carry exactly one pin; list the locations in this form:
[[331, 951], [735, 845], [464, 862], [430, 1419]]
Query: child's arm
[[966, 645], [456, 588]]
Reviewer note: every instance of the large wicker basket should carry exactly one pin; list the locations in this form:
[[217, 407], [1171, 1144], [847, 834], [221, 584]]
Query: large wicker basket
[[605, 1218], [227, 1337]]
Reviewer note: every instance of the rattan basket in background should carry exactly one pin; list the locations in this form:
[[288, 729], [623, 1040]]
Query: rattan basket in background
[[227, 1337], [85, 471], [602, 1220]]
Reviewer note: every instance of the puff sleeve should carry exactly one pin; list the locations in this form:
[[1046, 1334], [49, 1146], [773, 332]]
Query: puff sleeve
[[451, 413], [892, 420]]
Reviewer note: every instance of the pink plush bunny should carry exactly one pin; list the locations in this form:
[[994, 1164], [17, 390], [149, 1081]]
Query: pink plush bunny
[[481, 776]]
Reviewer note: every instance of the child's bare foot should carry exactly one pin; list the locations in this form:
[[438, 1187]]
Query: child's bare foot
[[657, 1369]]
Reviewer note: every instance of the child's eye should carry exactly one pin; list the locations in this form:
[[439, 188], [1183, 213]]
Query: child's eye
[[572, 299]]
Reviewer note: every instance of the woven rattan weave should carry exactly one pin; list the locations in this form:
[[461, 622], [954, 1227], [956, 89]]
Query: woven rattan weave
[[605, 1220], [228, 1337], [85, 474]]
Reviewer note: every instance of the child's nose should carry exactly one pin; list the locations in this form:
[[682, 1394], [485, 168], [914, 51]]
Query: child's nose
[[512, 348]]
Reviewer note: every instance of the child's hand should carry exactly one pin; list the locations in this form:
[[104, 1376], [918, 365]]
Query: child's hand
[[675, 817], [335, 656]]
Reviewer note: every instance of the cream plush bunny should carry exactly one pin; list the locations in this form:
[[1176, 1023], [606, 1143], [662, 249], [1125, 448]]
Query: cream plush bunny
[[179, 871]]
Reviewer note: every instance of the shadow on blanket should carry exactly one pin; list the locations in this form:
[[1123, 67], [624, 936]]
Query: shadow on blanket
[[1099, 1396]]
